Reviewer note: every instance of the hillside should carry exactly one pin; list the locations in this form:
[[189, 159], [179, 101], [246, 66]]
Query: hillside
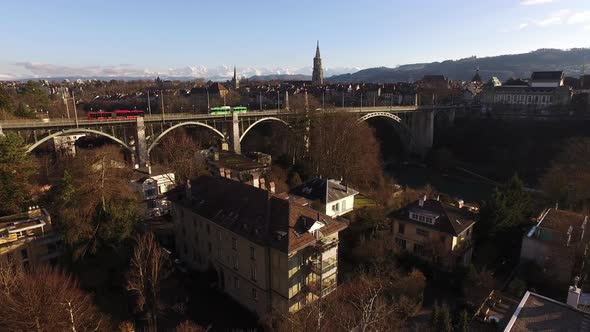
[[503, 66]]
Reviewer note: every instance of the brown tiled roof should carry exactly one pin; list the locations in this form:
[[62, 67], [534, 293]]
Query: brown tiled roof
[[254, 213], [451, 219]]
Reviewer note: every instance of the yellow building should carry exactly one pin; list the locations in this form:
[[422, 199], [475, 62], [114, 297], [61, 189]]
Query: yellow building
[[436, 231], [28, 238], [270, 252]]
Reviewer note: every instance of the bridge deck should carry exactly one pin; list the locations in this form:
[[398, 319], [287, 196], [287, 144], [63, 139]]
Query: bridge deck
[[174, 117]]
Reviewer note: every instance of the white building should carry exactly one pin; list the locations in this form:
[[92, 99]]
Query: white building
[[66, 144], [328, 196], [152, 189]]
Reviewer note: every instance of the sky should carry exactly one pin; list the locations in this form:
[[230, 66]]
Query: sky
[[207, 38]]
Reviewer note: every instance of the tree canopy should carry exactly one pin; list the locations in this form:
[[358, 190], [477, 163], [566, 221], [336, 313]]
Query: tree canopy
[[16, 172]]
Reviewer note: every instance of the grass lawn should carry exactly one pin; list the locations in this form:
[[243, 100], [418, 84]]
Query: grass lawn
[[361, 201]]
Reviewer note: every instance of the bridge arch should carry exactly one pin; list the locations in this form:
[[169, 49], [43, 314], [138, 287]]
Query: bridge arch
[[182, 124], [78, 131], [404, 132], [262, 120]]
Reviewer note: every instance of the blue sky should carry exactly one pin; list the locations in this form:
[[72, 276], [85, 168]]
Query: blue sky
[[206, 38]]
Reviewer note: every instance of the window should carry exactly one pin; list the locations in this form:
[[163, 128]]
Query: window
[[254, 294], [418, 249], [150, 192], [422, 232], [253, 272], [234, 243], [252, 253], [344, 205], [335, 207], [236, 283], [401, 243], [401, 228], [234, 260]]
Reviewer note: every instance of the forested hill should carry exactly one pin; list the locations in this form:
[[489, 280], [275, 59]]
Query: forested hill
[[502, 66]]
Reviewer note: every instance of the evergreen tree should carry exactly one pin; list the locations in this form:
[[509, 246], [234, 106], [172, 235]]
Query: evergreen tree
[[435, 316], [463, 322], [16, 172], [445, 323]]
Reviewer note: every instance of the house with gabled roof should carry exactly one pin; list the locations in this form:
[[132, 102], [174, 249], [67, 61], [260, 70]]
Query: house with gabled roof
[[434, 230], [332, 197]]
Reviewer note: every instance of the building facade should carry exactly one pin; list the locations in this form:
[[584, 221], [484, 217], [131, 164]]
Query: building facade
[[269, 252], [28, 238], [434, 230], [152, 189]]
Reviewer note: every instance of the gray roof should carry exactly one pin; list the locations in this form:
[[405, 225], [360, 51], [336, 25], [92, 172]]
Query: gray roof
[[540, 313], [323, 190]]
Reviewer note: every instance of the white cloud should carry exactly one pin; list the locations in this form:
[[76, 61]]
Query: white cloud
[[534, 2], [125, 70], [579, 17], [557, 17], [523, 26], [587, 27]]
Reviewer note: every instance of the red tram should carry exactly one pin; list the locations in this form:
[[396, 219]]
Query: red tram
[[116, 115]]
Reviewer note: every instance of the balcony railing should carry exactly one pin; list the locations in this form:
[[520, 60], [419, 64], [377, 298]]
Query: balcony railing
[[323, 267], [324, 245]]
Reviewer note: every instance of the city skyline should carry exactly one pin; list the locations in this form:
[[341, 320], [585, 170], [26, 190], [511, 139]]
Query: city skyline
[[208, 40]]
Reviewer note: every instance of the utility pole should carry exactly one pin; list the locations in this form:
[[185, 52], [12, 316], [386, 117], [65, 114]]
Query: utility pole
[[67, 106], [162, 98], [361, 101], [260, 100], [278, 100], [208, 104], [323, 99], [149, 103], [75, 111]]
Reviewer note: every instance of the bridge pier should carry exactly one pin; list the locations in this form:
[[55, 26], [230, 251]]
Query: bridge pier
[[235, 134], [141, 153], [422, 131]]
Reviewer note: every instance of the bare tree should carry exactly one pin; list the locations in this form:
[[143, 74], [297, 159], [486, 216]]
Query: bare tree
[[148, 267], [180, 153], [46, 299], [340, 147], [96, 201], [190, 326]]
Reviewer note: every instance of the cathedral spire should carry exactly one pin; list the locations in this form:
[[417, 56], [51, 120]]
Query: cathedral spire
[[235, 81], [317, 77]]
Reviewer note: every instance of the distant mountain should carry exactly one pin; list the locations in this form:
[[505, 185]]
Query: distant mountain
[[281, 77], [503, 67]]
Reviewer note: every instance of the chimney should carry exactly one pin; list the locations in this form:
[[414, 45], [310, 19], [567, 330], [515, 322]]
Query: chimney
[[271, 186], [422, 200], [256, 180], [573, 295], [438, 197], [461, 203], [556, 205], [188, 191]]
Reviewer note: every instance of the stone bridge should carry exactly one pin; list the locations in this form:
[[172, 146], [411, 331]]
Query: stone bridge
[[414, 124]]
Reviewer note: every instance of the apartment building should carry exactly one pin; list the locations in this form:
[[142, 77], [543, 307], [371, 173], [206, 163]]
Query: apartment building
[[270, 252], [434, 230], [27, 238]]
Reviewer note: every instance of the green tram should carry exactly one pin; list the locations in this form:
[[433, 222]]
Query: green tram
[[227, 110]]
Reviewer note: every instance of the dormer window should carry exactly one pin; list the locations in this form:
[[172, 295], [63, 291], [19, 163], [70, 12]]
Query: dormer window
[[422, 217]]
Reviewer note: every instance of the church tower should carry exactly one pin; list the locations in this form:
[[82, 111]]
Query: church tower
[[317, 77], [235, 82]]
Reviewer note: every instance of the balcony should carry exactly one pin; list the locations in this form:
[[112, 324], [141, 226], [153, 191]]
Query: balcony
[[322, 245], [322, 289], [323, 267]]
